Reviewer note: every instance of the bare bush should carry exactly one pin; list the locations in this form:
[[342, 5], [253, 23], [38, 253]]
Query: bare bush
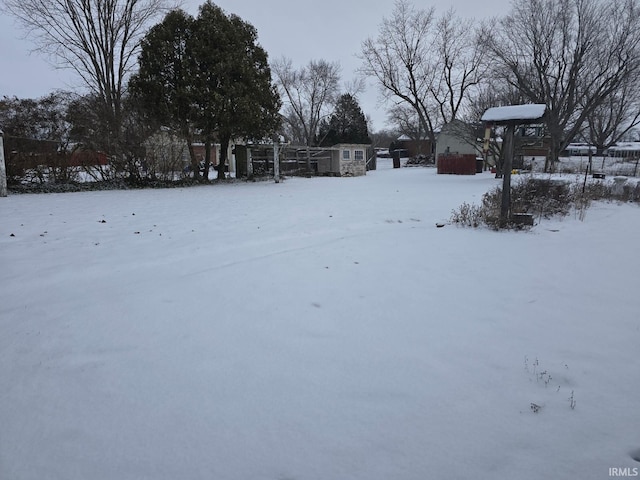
[[542, 198]]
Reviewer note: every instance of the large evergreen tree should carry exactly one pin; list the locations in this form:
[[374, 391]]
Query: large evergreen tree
[[208, 76], [346, 125], [235, 95], [164, 82]]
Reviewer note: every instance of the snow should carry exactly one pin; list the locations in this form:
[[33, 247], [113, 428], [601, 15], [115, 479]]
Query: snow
[[317, 328], [514, 112], [634, 146]]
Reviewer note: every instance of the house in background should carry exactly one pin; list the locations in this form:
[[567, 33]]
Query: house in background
[[578, 149], [630, 150], [413, 147], [532, 141]]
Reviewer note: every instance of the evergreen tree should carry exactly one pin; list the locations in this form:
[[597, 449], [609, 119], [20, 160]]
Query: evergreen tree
[[207, 76], [164, 82], [235, 96], [347, 124]]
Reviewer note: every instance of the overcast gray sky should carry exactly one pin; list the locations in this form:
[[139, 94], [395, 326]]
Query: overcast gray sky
[[298, 29]]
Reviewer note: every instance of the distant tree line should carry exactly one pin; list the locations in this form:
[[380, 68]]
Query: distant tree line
[[151, 70], [581, 58]]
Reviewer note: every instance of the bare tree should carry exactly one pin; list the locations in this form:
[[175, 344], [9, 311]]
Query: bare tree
[[383, 138], [615, 117], [632, 135], [568, 54], [398, 59], [460, 64], [430, 64], [309, 94], [98, 39], [493, 92], [406, 121]]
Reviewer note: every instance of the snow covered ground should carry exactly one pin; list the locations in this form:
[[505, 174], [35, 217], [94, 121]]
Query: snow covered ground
[[314, 329]]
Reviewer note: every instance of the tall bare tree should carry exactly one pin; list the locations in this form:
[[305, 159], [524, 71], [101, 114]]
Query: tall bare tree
[[309, 94], [426, 62], [98, 39], [571, 55], [460, 65], [405, 120], [615, 117], [494, 92]]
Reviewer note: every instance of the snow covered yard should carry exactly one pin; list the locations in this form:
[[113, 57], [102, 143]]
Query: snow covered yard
[[314, 329]]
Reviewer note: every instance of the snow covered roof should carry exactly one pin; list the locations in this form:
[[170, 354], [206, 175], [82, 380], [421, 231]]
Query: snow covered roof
[[513, 113], [406, 138], [626, 146]]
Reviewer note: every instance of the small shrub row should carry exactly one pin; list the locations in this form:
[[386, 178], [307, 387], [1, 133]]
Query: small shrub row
[[50, 187], [542, 198]]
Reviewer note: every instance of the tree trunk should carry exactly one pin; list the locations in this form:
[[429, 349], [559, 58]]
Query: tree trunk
[[552, 158], [546, 162], [224, 148], [207, 159], [192, 157]]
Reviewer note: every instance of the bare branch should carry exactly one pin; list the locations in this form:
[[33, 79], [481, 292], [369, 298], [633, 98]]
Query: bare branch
[[430, 64], [98, 39], [571, 55], [310, 94]]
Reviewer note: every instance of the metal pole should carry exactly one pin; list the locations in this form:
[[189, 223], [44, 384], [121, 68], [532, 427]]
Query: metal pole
[[3, 168]]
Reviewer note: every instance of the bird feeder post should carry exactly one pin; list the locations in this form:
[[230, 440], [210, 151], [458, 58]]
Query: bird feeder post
[[511, 116], [505, 205]]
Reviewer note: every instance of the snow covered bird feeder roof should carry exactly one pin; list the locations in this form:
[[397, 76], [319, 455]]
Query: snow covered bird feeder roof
[[510, 117], [515, 114]]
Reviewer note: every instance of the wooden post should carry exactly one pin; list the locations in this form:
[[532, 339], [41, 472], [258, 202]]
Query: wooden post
[[276, 162], [589, 169], [506, 174], [308, 165], [485, 148], [3, 168], [249, 164], [510, 116]]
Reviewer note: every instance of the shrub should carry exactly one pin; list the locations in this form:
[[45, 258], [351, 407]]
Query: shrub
[[542, 198], [468, 215]]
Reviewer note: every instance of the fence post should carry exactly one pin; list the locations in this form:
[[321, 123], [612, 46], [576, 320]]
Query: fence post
[[276, 161], [3, 168]]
